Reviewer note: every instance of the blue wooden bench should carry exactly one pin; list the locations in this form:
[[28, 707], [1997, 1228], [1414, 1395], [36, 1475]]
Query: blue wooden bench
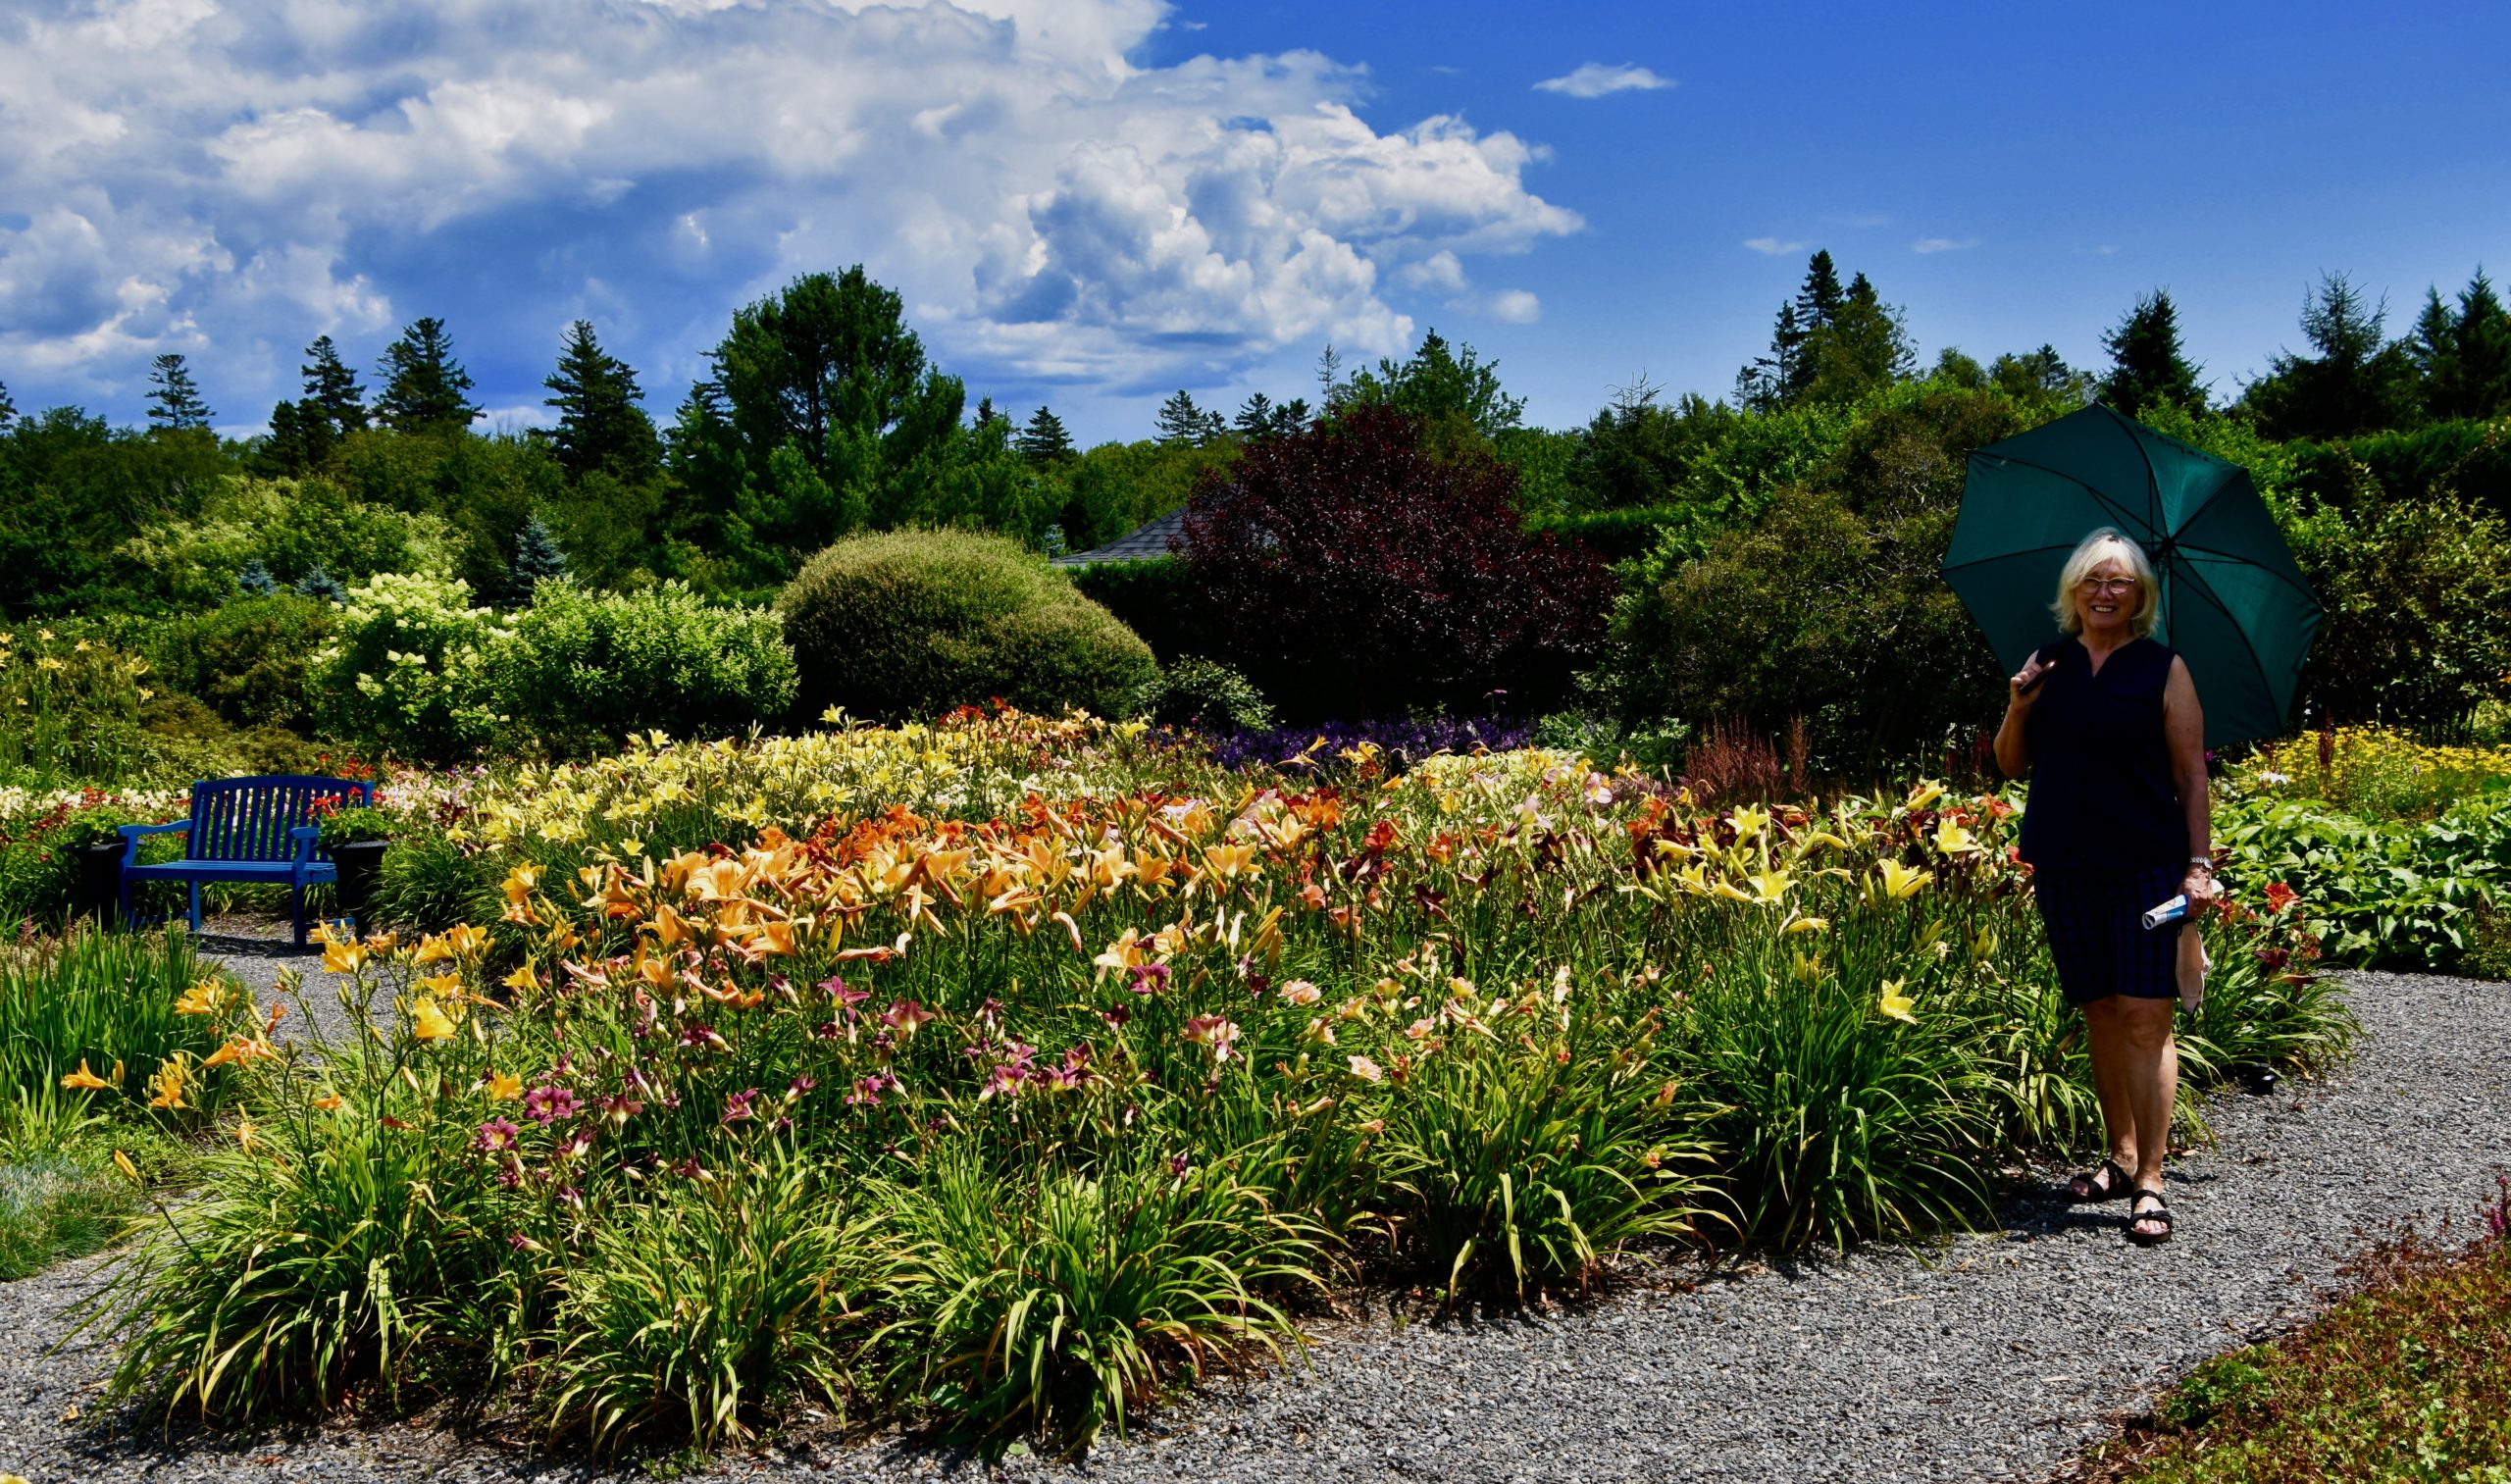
[[258, 830]]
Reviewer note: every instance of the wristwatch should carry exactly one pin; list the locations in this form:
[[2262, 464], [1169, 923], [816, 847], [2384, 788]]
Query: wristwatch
[[2207, 861]]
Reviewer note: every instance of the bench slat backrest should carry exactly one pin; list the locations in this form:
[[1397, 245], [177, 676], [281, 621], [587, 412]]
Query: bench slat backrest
[[248, 818]]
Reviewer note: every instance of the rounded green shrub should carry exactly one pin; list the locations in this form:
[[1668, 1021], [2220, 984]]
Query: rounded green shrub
[[913, 623], [587, 668], [1207, 695]]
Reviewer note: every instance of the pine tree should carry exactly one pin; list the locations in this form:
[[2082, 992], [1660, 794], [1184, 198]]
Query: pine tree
[[175, 403], [1044, 441], [2357, 383], [320, 584], [2466, 355], [1290, 417], [8, 409], [1182, 422], [1255, 420], [254, 581], [2146, 362], [600, 427], [1329, 377], [1863, 345], [1821, 300], [332, 389], [425, 388], [536, 559], [1773, 380], [287, 448]]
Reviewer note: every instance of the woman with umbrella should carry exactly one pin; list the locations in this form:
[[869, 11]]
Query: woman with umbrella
[[2106, 722]]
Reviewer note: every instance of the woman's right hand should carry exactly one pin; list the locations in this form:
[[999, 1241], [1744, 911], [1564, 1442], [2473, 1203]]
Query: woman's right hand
[[2024, 685]]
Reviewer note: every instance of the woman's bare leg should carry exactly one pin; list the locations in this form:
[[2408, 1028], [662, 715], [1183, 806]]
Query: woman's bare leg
[[2151, 1062], [2110, 1081]]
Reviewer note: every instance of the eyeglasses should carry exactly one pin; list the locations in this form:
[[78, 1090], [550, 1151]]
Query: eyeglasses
[[2100, 585]]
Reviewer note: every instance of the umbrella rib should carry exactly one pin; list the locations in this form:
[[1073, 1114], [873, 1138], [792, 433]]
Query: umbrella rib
[[2105, 501], [2006, 557], [2302, 587], [2256, 662]]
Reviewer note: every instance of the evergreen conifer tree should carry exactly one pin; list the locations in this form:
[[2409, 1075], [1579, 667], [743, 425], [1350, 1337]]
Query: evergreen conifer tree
[[2146, 362], [425, 388], [1255, 420], [1290, 417], [332, 389], [1182, 422], [175, 402], [320, 584], [536, 559], [1819, 301], [2464, 355], [1044, 441], [8, 409], [601, 427], [2358, 381], [254, 581]]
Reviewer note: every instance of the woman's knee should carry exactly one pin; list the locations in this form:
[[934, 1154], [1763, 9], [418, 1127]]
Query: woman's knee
[[2143, 1025]]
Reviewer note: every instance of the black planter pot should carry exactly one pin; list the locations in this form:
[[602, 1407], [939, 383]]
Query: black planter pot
[[359, 862], [96, 891]]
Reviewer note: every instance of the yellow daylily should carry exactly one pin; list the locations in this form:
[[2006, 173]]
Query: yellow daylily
[[169, 1083], [202, 999], [522, 979], [1896, 1005], [427, 1022], [1806, 925], [1749, 821], [1901, 882], [84, 1078], [343, 957], [121, 1163], [504, 1088], [1953, 839], [1925, 794], [1770, 885]]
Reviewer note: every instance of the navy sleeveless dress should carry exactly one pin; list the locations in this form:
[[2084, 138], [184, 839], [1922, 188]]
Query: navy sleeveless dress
[[2103, 827]]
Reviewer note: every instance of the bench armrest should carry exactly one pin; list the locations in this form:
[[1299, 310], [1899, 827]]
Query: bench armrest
[[130, 836], [305, 836]]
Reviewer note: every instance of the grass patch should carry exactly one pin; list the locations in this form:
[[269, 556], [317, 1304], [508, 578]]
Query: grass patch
[[2407, 1379]]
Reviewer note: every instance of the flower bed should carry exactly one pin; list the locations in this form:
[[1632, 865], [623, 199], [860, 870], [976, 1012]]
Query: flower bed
[[1001, 1121]]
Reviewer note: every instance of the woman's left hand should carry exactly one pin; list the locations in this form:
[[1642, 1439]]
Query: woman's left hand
[[2197, 884]]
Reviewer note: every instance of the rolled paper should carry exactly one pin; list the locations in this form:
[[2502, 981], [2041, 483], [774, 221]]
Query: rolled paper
[[2170, 912]]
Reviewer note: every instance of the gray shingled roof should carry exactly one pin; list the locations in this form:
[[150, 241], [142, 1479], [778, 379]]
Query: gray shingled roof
[[1140, 545]]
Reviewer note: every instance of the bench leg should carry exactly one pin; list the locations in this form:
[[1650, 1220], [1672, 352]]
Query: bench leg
[[195, 885], [296, 908]]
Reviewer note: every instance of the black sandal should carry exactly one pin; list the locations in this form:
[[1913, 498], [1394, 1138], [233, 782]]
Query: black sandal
[[2158, 1211], [2114, 1182]]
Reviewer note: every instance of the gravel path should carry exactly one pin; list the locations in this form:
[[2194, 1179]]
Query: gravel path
[[1990, 1356]]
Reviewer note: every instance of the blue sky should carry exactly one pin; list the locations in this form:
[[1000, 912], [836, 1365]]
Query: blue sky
[[1092, 202]]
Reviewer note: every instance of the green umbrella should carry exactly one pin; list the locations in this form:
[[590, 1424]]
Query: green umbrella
[[2233, 602]]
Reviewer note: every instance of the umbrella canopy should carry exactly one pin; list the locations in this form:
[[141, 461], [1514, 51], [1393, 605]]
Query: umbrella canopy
[[2234, 604]]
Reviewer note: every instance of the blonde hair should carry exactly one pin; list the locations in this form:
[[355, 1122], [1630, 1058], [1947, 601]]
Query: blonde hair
[[2096, 549]]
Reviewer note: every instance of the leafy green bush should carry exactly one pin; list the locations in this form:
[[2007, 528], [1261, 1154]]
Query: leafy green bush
[[583, 669], [2374, 893], [1830, 605], [247, 661], [913, 623], [1207, 695], [429, 880], [409, 672]]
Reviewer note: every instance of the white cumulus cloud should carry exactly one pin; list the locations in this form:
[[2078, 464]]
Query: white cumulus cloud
[[1771, 247], [1515, 306], [1943, 245], [231, 178], [1595, 79]]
